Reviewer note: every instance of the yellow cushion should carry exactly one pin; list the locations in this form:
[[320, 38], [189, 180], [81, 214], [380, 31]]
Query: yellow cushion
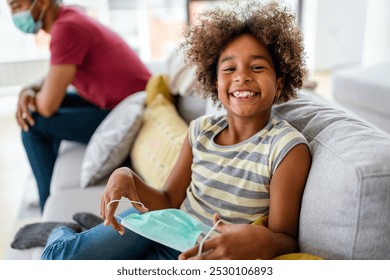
[[263, 221], [298, 256], [159, 141], [156, 85]]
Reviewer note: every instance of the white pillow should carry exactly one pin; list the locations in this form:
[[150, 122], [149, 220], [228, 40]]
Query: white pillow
[[111, 142], [181, 76]]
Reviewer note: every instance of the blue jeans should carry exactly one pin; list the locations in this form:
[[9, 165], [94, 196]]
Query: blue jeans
[[76, 120], [104, 243]]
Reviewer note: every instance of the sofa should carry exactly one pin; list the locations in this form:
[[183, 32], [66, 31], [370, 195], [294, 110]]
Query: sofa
[[346, 202]]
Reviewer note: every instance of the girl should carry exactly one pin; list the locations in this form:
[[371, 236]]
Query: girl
[[244, 165]]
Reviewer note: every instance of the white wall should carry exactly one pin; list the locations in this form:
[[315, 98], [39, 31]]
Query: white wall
[[20, 59], [376, 47], [15, 45], [342, 33], [309, 30], [334, 32]]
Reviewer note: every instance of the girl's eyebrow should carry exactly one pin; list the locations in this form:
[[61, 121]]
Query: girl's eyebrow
[[254, 57], [259, 57], [226, 58]]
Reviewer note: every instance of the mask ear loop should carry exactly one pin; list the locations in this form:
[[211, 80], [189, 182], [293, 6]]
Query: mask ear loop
[[119, 200], [205, 238], [33, 5]]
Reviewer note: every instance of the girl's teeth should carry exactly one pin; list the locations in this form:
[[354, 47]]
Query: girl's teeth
[[243, 94]]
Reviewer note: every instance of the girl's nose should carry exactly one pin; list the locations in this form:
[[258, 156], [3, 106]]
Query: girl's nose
[[243, 76]]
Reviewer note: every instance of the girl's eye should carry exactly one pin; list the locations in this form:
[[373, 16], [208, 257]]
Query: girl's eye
[[257, 68], [228, 69]]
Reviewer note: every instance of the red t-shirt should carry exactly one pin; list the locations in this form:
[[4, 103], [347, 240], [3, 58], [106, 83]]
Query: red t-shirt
[[108, 70]]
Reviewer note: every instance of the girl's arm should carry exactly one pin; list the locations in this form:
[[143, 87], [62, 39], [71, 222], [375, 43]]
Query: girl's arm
[[123, 182], [245, 241], [286, 190]]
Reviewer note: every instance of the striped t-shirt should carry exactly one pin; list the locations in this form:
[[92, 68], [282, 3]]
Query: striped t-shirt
[[234, 180]]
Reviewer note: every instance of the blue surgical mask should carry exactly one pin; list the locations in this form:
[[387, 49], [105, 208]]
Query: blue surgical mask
[[171, 227], [24, 20]]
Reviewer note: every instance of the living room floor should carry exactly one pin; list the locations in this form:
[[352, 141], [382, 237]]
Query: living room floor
[[14, 172], [17, 192]]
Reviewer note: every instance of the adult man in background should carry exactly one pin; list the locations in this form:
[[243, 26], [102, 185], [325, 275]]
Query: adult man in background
[[85, 54]]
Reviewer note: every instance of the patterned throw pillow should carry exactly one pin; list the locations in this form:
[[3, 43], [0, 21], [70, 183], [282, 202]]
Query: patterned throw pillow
[[158, 143], [111, 142]]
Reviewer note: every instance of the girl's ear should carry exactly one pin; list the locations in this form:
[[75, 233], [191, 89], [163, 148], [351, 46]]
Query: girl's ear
[[279, 86], [216, 86]]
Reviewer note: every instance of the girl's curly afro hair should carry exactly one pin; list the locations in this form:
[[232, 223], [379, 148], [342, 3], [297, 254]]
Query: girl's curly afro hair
[[271, 24]]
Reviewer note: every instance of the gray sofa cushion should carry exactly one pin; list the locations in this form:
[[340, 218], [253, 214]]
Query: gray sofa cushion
[[61, 206], [190, 107], [346, 202], [67, 169]]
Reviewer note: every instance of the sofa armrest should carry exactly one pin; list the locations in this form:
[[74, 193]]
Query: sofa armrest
[[345, 205]]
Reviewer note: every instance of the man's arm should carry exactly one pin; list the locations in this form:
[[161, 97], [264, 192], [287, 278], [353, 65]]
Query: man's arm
[[44, 96], [53, 90]]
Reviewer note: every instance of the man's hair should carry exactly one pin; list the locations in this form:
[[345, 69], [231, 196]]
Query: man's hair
[[58, 2], [271, 24]]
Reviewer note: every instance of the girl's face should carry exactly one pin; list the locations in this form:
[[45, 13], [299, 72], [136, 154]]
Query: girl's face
[[246, 79]]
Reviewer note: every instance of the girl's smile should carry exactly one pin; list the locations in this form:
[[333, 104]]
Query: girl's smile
[[244, 94]]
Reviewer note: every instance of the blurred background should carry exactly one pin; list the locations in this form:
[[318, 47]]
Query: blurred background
[[338, 34]]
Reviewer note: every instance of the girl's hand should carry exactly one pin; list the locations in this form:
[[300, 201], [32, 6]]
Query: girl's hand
[[120, 184], [26, 104], [235, 242]]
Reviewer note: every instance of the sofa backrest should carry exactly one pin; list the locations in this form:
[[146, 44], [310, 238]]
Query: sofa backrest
[[345, 210]]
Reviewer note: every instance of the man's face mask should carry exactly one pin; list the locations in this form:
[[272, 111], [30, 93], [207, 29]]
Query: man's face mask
[[24, 20], [171, 227]]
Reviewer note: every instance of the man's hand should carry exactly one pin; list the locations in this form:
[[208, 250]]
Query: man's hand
[[26, 105]]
